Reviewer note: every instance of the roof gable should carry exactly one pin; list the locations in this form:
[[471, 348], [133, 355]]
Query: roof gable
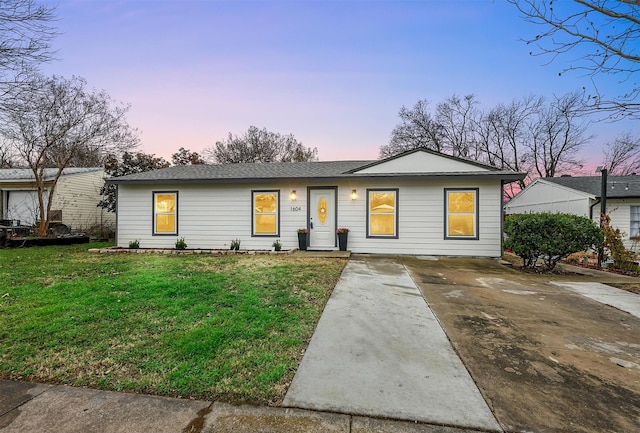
[[544, 186], [422, 161]]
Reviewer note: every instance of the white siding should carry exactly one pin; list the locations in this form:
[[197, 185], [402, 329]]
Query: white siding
[[422, 162], [77, 195], [210, 216], [23, 206], [549, 197], [620, 212]]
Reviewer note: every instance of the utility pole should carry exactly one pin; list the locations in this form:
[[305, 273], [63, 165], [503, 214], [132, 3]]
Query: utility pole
[[603, 208]]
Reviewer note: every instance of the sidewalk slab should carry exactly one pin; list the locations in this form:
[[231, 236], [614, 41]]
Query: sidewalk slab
[[618, 298], [369, 425], [379, 351], [226, 418], [69, 410], [15, 394]]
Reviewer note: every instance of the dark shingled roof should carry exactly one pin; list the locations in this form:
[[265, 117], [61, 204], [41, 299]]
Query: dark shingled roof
[[249, 171], [274, 171], [617, 186]]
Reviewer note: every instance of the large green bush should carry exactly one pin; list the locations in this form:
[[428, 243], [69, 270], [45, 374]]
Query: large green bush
[[549, 236]]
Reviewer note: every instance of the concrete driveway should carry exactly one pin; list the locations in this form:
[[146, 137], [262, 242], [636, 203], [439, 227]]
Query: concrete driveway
[[546, 351], [378, 350]]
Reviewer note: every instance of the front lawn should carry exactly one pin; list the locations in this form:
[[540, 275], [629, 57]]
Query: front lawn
[[232, 327]]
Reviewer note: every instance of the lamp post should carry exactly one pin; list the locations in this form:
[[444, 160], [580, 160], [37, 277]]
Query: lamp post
[[603, 207]]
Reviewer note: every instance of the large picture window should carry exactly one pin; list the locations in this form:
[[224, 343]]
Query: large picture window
[[461, 213], [266, 217], [634, 222], [165, 213], [382, 213]]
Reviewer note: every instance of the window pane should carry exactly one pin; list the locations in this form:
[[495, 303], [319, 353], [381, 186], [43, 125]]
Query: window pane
[[265, 224], [166, 223], [265, 202], [462, 201], [165, 203], [635, 222], [383, 202], [461, 225], [382, 225]]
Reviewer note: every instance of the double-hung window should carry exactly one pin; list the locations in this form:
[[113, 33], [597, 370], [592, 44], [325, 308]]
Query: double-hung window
[[461, 213], [382, 213], [165, 213], [634, 222], [266, 213]]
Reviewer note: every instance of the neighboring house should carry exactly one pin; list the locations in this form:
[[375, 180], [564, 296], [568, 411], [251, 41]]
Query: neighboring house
[[419, 202], [580, 195], [75, 198]]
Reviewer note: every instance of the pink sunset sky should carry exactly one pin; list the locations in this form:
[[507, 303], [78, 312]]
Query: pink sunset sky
[[332, 73]]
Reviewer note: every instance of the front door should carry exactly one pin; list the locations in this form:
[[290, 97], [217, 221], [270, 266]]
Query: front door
[[322, 218]]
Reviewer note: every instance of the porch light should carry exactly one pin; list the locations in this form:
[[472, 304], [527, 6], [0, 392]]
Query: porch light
[[354, 194], [293, 196]]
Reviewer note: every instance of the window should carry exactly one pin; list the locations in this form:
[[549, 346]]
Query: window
[[635, 222], [461, 213], [382, 213], [266, 218], [165, 215]]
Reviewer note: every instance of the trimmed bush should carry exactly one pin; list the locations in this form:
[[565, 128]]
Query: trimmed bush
[[549, 237], [622, 257]]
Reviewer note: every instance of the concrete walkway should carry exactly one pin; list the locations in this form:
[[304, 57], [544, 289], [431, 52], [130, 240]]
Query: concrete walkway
[[620, 299], [379, 351], [38, 408]]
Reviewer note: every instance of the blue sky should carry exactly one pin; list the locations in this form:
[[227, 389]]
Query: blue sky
[[333, 73]]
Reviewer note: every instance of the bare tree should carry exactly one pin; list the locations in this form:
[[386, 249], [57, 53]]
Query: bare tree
[[417, 129], [25, 40], [7, 156], [529, 135], [603, 34], [186, 157], [501, 135], [128, 163], [457, 118], [54, 121], [557, 135], [260, 145], [622, 156]]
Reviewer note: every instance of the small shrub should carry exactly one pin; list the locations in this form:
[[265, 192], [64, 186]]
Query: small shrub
[[181, 244], [134, 245], [235, 244], [550, 237], [277, 245], [581, 257], [613, 242]]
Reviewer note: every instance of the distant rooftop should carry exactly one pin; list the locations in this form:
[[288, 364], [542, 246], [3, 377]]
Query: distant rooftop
[[617, 186], [25, 174]]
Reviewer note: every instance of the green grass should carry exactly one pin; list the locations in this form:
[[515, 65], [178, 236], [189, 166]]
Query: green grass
[[231, 328]]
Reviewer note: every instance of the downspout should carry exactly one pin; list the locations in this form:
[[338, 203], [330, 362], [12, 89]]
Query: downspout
[[591, 206]]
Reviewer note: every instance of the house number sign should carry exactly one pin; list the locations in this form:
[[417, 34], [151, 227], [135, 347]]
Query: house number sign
[[296, 208]]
